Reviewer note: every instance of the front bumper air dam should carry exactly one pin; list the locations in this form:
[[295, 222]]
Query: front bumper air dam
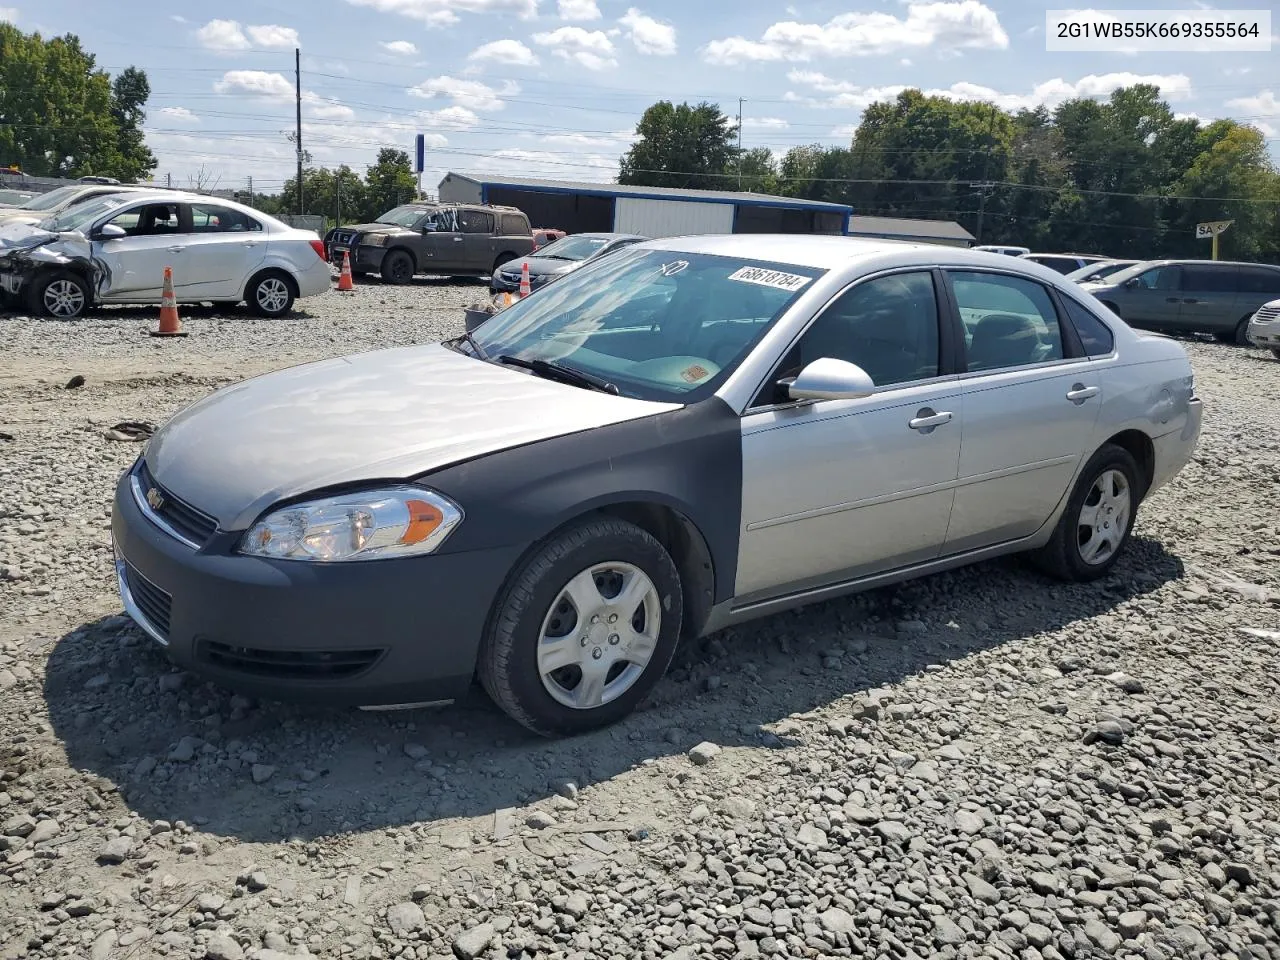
[[360, 633]]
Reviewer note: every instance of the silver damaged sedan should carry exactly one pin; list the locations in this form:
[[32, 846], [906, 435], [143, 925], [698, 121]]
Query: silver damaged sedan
[[689, 434]]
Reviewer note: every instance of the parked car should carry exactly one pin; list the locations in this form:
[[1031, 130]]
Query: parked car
[[12, 198], [1004, 249], [682, 436], [453, 240], [545, 235], [1204, 296], [45, 205], [1100, 270], [91, 179], [1264, 328], [114, 250], [1064, 263], [557, 259]]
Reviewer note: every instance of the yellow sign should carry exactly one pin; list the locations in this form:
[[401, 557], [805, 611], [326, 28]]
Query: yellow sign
[[1211, 229]]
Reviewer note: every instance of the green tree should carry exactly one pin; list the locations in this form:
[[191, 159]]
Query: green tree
[[681, 146], [337, 195], [388, 182], [61, 116], [758, 171]]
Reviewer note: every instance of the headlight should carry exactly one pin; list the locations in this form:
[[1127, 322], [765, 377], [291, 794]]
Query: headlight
[[374, 239], [366, 525]]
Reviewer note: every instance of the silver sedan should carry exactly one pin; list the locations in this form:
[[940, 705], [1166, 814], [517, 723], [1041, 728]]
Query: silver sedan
[[693, 433]]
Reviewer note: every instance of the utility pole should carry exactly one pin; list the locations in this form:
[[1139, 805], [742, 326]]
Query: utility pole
[[251, 191], [739, 144], [983, 186], [297, 87], [337, 184], [168, 181]]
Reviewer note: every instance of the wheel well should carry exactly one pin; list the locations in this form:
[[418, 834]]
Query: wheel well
[[505, 257], [288, 278], [687, 547], [1142, 450]]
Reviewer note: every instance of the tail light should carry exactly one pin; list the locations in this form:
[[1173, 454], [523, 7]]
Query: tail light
[[318, 247]]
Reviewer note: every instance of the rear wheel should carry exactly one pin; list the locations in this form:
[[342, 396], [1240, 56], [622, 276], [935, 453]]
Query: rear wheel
[[1096, 524], [271, 294], [397, 267], [59, 293], [584, 629]]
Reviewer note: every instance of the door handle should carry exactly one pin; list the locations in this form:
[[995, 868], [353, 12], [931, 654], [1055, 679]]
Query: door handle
[[1079, 393], [251, 243], [175, 249], [457, 239], [1173, 300], [926, 419], [1192, 300]]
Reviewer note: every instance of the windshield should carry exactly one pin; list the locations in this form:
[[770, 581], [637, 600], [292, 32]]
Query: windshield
[[1127, 273], [80, 216], [572, 248], [47, 201], [404, 216], [14, 196], [658, 324]]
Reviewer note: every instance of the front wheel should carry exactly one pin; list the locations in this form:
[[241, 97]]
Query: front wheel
[[60, 294], [271, 295], [397, 267], [584, 629], [1096, 524]]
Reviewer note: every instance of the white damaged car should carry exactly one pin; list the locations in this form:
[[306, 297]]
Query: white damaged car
[[114, 250]]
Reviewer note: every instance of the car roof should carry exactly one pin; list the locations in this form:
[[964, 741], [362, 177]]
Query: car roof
[[1174, 261], [603, 235], [809, 250]]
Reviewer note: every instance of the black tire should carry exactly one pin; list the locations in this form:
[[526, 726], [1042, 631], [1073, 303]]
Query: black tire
[[1062, 557], [271, 293], [502, 258], [1275, 352], [397, 267], [77, 300], [508, 664], [1241, 335]]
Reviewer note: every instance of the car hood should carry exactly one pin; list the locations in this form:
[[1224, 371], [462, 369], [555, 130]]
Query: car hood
[[386, 415], [541, 266], [374, 228], [16, 215]]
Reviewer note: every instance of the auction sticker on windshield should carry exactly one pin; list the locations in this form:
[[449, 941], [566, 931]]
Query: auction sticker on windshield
[[770, 278]]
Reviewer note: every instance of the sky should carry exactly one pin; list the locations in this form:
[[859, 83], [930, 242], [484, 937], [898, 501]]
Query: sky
[[554, 88]]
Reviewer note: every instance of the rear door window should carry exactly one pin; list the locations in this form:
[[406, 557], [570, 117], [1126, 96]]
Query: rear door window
[[1210, 278], [475, 221], [1009, 321], [210, 218], [1260, 280]]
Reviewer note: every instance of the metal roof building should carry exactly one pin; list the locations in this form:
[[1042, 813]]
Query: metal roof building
[[946, 232], [649, 211]]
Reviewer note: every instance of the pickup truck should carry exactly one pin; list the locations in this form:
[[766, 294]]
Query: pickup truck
[[451, 240]]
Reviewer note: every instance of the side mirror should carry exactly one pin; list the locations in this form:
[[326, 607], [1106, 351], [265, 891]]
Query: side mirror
[[1131, 283], [109, 231], [830, 379]]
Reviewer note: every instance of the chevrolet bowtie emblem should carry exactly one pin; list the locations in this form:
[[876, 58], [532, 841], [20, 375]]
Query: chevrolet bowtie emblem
[[155, 498]]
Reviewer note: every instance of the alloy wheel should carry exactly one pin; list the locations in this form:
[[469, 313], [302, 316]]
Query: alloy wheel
[[63, 298], [273, 294]]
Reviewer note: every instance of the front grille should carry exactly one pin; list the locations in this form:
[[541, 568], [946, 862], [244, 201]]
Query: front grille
[[344, 237], [185, 519], [154, 603], [288, 664], [1267, 314]]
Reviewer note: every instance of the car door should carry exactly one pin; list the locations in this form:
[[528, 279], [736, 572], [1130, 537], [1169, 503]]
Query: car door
[[477, 239], [1209, 293], [1152, 298], [1030, 405], [134, 263], [439, 248], [219, 251], [837, 489]]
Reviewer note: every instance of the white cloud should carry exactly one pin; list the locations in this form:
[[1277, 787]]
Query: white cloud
[[179, 115], [270, 36], [579, 10], [622, 137], [442, 13], [764, 123], [589, 48], [845, 130], [402, 47], [465, 93], [449, 118], [275, 87], [595, 167], [507, 52], [1265, 103], [228, 36], [650, 35], [841, 94], [8, 14], [946, 24]]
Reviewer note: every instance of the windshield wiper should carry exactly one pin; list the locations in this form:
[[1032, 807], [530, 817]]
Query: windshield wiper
[[473, 343], [551, 370]]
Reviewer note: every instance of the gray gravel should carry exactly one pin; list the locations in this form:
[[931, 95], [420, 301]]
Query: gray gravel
[[981, 764]]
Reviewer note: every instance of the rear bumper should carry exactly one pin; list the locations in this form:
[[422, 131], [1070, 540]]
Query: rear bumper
[[316, 280], [1174, 450], [367, 633]]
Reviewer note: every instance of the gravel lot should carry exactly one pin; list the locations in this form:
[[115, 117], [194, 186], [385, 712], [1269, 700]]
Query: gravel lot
[[981, 764]]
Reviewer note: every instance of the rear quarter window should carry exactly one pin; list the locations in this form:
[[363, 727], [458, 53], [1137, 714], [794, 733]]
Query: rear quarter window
[[1095, 336], [515, 225]]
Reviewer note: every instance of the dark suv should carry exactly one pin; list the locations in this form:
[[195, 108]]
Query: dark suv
[[1209, 296], [452, 240]]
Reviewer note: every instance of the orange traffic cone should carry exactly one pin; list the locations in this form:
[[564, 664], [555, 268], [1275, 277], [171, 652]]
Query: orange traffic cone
[[170, 326], [525, 289], [344, 278]]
